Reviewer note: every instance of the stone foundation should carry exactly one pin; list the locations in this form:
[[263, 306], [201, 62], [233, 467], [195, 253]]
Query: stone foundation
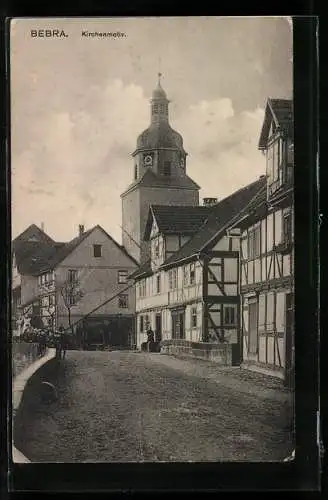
[[217, 353]]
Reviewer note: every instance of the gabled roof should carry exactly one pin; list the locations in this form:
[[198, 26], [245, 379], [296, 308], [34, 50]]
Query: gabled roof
[[39, 257], [150, 179], [176, 219], [279, 111], [222, 214], [31, 234]]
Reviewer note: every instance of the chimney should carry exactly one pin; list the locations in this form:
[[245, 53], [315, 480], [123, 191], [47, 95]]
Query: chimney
[[209, 202], [81, 229], [42, 226]]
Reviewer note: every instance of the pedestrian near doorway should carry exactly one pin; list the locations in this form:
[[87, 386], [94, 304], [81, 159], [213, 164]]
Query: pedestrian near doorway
[[150, 337]]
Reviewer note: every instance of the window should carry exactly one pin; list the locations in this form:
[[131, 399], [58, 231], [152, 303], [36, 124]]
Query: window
[[185, 276], [141, 324], [122, 276], [72, 275], [230, 315], [158, 283], [156, 248], [51, 300], [155, 108], [173, 279], [193, 317], [167, 168], [136, 172], [254, 243], [72, 299], [97, 250], [123, 301], [192, 274], [287, 228], [142, 288]]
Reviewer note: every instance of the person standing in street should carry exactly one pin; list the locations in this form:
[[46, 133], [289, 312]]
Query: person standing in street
[[150, 337]]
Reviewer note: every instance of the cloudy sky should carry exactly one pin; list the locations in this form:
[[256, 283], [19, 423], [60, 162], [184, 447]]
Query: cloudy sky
[[79, 103]]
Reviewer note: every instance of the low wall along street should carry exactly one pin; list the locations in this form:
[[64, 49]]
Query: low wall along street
[[27, 359], [218, 353], [24, 354]]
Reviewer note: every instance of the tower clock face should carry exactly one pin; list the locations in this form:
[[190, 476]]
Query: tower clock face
[[148, 160]]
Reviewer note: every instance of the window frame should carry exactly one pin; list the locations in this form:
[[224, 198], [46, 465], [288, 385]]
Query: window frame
[[74, 273], [120, 297], [158, 284], [99, 247], [119, 276], [194, 317], [287, 223], [232, 318], [254, 243], [192, 273]]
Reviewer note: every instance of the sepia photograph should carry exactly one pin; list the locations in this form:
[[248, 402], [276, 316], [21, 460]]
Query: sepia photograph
[[152, 239]]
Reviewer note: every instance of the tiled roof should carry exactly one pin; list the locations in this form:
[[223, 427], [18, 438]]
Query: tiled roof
[[39, 257], [32, 256], [142, 271], [176, 219], [221, 215], [150, 179], [281, 111]]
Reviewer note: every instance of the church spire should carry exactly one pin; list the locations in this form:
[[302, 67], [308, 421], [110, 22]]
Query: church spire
[[159, 103]]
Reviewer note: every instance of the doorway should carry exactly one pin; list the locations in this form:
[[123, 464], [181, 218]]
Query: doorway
[[178, 324], [252, 328], [289, 345], [158, 327]]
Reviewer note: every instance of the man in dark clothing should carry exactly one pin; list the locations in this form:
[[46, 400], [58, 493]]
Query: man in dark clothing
[[150, 337], [61, 343]]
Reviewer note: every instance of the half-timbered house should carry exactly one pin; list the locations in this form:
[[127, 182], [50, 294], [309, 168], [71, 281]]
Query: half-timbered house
[[267, 252], [189, 290]]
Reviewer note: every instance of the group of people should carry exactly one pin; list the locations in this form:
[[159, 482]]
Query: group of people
[[46, 338]]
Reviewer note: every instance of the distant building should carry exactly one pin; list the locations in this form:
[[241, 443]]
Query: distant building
[[159, 176], [189, 289], [267, 253], [66, 284]]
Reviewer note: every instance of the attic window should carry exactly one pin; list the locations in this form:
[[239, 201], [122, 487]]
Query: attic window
[[97, 250]]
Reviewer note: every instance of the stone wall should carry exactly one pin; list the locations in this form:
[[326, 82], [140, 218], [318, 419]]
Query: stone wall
[[218, 353], [24, 354]]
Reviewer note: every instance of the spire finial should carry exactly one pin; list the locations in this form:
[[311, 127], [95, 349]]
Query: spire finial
[[159, 70]]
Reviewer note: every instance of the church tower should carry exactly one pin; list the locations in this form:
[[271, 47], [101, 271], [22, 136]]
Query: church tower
[[159, 175]]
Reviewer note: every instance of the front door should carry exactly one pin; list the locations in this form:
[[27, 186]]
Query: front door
[[181, 326], [158, 331], [289, 346], [252, 330]]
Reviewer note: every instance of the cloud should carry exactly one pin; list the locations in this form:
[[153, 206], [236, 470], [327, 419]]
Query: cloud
[[222, 146], [77, 161]]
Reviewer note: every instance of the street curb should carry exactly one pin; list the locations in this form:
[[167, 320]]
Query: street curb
[[19, 384]]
